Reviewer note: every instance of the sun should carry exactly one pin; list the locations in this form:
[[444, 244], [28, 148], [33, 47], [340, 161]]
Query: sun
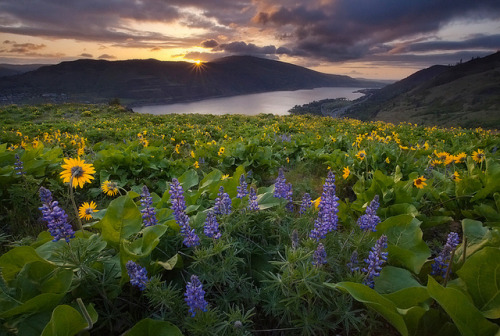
[[197, 62]]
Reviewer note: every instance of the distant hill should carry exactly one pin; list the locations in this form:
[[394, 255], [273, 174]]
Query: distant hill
[[16, 69], [467, 95], [137, 82]]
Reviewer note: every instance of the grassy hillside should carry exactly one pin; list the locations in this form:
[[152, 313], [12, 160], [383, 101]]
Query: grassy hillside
[[466, 95]]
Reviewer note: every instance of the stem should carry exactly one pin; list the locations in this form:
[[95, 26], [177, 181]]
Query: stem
[[464, 244], [448, 270], [72, 196], [85, 313]]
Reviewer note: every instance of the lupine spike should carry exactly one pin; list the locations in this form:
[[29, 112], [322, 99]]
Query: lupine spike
[[319, 257], [195, 296], [370, 220], [328, 209], [223, 203], [138, 275], [148, 213], [182, 219], [353, 263], [252, 200], [306, 203], [56, 218], [211, 227], [442, 261], [242, 188], [376, 258]]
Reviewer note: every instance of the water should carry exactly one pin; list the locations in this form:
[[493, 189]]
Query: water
[[277, 102]]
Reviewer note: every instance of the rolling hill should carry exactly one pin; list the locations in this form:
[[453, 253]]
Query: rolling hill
[[137, 82], [467, 95]]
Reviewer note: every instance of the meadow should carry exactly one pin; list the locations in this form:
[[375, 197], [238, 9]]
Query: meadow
[[120, 223]]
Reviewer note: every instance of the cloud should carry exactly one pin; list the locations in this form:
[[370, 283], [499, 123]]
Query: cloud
[[106, 56], [86, 55], [209, 44], [21, 48], [241, 47]]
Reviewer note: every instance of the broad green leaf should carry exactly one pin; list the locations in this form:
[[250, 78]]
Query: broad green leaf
[[393, 279], [122, 220], [143, 246], [37, 304], [65, 321], [375, 301], [481, 273], [467, 318], [212, 178], [14, 260], [405, 245], [150, 327], [189, 179]]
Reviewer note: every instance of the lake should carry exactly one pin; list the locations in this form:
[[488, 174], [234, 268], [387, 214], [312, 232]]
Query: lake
[[276, 102]]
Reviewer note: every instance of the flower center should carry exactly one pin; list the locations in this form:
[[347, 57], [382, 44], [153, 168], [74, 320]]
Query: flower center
[[77, 171], [88, 211]]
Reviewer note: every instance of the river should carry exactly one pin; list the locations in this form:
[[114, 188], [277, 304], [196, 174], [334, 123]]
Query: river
[[276, 102]]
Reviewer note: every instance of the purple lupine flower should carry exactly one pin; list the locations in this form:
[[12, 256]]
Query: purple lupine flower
[[56, 218], [442, 261], [353, 263], [280, 188], [181, 218], [195, 296], [370, 220], [223, 205], [242, 188], [319, 256], [19, 166], [252, 200], [376, 258], [148, 212], [328, 209], [306, 203], [138, 275], [211, 226]]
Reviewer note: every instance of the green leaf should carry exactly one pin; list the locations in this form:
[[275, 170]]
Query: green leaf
[[14, 260], [170, 264], [189, 179], [149, 327], [375, 301], [481, 274], [211, 179], [393, 279], [467, 318], [405, 245], [65, 321], [122, 220]]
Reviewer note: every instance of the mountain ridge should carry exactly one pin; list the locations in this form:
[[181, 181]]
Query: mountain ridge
[[151, 81]]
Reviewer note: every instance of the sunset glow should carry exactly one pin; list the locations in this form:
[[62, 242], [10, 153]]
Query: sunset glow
[[360, 38]]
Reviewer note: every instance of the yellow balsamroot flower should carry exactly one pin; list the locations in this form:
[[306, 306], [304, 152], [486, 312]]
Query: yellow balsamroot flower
[[225, 177], [221, 151], [193, 155], [79, 170], [316, 202], [478, 155], [109, 188], [459, 158], [346, 172], [387, 160], [361, 155], [419, 182], [196, 164], [456, 177], [87, 209]]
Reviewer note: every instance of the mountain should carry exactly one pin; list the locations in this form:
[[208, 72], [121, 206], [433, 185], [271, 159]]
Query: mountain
[[137, 82], [16, 69], [466, 94]]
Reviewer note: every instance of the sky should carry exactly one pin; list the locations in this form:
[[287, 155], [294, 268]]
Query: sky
[[377, 39]]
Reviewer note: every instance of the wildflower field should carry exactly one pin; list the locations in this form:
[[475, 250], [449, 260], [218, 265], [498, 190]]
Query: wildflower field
[[117, 223]]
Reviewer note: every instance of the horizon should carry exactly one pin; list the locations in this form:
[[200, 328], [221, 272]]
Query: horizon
[[379, 40]]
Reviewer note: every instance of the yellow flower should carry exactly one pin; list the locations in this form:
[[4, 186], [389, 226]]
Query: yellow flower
[[196, 164], [478, 155], [460, 157], [109, 188], [346, 172], [361, 155], [81, 151], [419, 182], [87, 209], [316, 202], [225, 177], [193, 155], [387, 160], [221, 151], [456, 177], [287, 160], [79, 170]]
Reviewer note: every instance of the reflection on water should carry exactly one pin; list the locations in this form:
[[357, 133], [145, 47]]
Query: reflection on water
[[278, 102]]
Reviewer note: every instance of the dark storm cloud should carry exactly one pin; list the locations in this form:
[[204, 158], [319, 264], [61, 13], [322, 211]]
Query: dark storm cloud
[[247, 49], [209, 44], [352, 29], [481, 42]]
